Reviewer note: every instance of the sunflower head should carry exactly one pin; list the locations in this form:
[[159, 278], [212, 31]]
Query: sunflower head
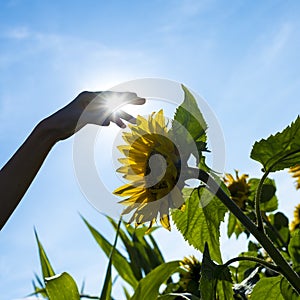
[[190, 277], [239, 188], [296, 174], [152, 167], [295, 224]]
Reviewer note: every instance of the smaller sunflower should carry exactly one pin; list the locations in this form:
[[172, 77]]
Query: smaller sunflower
[[190, 277], [295, 224], [152, 166], [239, 188], [296, 174]]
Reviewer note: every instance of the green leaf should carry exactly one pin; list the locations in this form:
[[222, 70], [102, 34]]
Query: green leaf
[[253, 247], [224, 290], [281, 224], [267, 288], [38, 291], [189, 127], [268, 199], [294, 248], [62, 287], [245, 267], [287, 290], [189, 115], [126, 293], [119, 261], [279, 151], [107, 286], [214, 279], [200, 223], [234, 226], [156, 251], [47, 269], [39, 281], [149, 285]]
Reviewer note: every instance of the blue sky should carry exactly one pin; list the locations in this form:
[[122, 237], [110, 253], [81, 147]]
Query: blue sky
[[241, 56]]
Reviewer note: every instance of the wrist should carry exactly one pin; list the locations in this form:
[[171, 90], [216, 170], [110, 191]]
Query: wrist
[[47, 132]]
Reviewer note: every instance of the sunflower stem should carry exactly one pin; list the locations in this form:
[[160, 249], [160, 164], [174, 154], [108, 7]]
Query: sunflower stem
[[283, 267]]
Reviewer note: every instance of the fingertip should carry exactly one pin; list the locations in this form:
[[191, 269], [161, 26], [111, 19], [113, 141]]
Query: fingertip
[[139, 101], [132, 120], [120, 123]]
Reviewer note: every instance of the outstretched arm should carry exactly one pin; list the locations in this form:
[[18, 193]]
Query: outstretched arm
[[98, 108]]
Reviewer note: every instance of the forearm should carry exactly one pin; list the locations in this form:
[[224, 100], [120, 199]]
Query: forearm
[[18, 173]]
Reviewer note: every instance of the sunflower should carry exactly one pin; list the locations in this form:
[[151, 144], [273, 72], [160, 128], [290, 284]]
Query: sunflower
[[190, 277], [239, 188], [296, 174], [152, 165], [296, 222]]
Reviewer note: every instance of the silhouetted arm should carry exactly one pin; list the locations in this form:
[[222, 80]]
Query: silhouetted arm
[[98, 108]]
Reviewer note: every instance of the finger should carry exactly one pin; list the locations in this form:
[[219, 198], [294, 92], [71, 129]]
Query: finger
[[138, 101], [105, 123], [124, 115], [119, 122]]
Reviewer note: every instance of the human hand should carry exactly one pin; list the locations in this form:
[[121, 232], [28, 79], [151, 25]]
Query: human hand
[[98, 108]]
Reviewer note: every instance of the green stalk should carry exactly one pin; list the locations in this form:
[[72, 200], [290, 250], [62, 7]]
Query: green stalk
[[284, 268], [106, 290], [254, 259]]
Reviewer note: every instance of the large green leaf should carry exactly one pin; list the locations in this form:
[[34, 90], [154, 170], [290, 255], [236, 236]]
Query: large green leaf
[[279, 232], [267, 288], [62, 287], [148, 287], [234, 226], [294, 248], [287, 291], [119, 261], [215, 279], [189, 127], [224, 290], [189, 115], [47, 269], [279, 151], [268, 199], [200, 221]]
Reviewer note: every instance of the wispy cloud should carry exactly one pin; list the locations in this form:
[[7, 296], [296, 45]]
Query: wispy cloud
[[275, 44], [18, 33]]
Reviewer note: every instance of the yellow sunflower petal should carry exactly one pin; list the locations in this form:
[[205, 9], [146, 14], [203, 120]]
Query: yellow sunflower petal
[[127, 190], [152, 222], [124, 149], [136, 198], [165, 222], [160, 119]]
